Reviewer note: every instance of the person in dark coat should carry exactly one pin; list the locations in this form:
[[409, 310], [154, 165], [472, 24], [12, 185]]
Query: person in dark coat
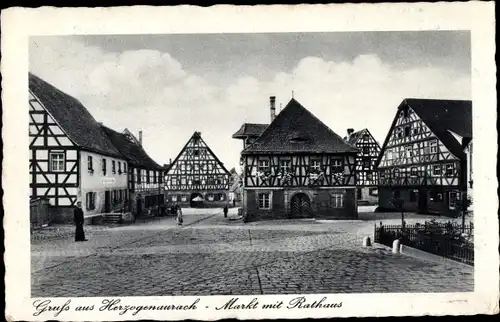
[[78, 214], [225, 211]]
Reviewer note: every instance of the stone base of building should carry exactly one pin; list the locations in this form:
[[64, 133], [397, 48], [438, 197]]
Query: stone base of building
[[367, 196], [61, 214], [425, 200], [198, 199], [289, 203]]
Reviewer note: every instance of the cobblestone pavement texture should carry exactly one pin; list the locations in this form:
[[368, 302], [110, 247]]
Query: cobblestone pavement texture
[[211, 254]]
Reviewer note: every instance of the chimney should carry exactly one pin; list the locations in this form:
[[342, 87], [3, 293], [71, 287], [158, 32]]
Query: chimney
[[349, 132], [140, 138], [170, 161], [272, 100]]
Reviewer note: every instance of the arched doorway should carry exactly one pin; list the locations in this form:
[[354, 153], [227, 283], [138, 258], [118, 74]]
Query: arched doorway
[[300, 206], [196, 200]]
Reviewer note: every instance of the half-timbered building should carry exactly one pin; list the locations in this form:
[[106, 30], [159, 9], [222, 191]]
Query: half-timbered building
[[146, 189], [196, 177], [366, 174], [298, 167], [71, 158], [424, 159]]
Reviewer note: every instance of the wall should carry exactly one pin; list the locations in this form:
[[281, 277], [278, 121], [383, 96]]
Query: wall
[[320, 202], [366, 197], [206, 203], [98, 182]]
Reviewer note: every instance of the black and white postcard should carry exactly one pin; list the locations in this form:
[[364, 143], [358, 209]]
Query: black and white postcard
[[250, 162]]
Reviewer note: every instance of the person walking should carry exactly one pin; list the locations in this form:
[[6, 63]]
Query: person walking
[[179, 215], [234, 202], [79, 219], [225, 211]]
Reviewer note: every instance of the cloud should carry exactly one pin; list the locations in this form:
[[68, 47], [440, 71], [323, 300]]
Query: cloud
[[150, 90]]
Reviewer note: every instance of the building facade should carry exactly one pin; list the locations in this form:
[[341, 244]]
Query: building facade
[[298, 167], [70, 156], [145, 177], [424, 160], [366, 174], [196, 177]]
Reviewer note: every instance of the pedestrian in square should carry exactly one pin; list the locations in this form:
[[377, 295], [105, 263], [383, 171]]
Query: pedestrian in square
[[79, 219], [225, 211], [179, 215]]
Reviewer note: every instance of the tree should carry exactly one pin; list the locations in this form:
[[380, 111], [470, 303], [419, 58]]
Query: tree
[[398, 202], [463, 204]]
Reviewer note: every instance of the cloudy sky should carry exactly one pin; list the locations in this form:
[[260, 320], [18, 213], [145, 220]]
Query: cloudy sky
[[172, 85]]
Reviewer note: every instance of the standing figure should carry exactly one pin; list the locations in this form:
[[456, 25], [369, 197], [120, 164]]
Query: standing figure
[[225, 211], [234, 202], [78, 218], [179, 215]]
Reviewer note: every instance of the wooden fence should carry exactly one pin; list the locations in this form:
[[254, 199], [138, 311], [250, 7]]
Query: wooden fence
[[39, 213]]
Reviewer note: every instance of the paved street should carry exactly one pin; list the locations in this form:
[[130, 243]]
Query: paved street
[[211, 254]]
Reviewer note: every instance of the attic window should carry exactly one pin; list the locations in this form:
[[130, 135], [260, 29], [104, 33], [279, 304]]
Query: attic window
[[130, 138], [298, 139]]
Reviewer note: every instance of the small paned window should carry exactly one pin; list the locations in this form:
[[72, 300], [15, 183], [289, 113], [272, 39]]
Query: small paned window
[[264, 201], [57, 162], [337, 200]]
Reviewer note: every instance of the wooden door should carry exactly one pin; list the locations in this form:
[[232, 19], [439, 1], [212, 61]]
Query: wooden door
[[300, 206]]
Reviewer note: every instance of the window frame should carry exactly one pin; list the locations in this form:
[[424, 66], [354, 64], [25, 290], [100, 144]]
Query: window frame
[[337, 200], [264, 200], [60, 163]]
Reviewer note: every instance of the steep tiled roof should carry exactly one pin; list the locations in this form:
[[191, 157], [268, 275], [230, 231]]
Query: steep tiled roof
[[296, 130], [250, 129], [354, 137], [74, 119], [133, 153], [442, 116]]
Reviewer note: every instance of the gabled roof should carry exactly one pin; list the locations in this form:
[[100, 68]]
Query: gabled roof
[[296, 130], [250, 129], [73, 118], [133, 152], [441, 116], [354, 137]]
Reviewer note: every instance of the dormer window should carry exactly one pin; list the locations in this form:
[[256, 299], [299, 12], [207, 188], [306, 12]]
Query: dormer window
[[298, 139]]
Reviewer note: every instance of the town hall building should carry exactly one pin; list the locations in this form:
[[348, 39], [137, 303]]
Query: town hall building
[[297, 168]]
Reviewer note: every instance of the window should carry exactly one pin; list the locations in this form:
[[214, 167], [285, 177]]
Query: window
[[139, 178], [337, 200], [407, 131], [396, 173], [90, 164], [114, 197], [196, 167], [196, 181], [389, 154], [184, 198], [173, 181], [366, 137], [285, 166], [221, 197], [416, 130], [90, 200], [413, 195], [264, 201], [406, 112], [113, 166], [196, 152], [174, 198], [210, 197], [369, 175], [399, 132], [148, 179], [434, 147], [154, 176], [373, 191], [124, 168], [315, 165], [409, 151], [449, 170], [436, 170], [452, 199], [366, 163], [160, 177], [366, 150], [57, 163], [439, 196], [263, 165], [337, 165], [413, 172], [183, 167], [183, 181], [103, 166], [119, 168]]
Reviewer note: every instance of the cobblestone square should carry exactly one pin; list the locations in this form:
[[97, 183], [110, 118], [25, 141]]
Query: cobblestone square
[[211, 254]]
